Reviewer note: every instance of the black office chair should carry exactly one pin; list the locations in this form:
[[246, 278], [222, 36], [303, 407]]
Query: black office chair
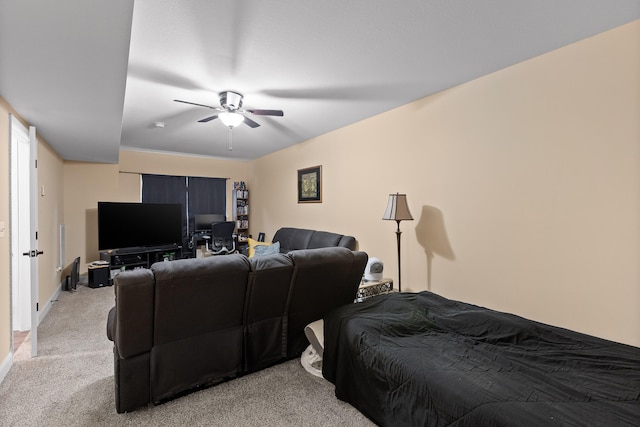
[[222, 239]]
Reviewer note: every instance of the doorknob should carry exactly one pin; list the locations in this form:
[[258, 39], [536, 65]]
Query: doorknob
[[32, 254]]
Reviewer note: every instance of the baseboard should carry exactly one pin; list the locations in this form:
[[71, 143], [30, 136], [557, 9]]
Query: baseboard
[[5, 366], [45, 308]]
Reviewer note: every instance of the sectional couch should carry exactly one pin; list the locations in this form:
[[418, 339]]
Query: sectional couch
[[301, 238], [191, 323]]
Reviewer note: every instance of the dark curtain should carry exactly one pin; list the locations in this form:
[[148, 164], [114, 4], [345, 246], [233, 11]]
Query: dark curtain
[[164, 189], [167, 189], [197, 196], [206, 196]]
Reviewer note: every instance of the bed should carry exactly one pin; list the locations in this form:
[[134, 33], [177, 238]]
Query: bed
[[419, 359]]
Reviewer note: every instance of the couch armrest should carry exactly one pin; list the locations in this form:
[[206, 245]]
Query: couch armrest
[[111, 323], [323, 280], [133, 319]]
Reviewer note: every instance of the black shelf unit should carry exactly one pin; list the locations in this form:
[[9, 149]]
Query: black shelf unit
[[241, 214], [132, 258]]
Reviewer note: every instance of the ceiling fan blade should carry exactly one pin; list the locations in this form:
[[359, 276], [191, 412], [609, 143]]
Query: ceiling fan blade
[[250, 122], [279, 113], [208, 119], [199, 105]]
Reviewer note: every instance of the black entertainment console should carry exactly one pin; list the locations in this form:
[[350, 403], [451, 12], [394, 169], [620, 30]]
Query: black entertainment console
[[141, 257]]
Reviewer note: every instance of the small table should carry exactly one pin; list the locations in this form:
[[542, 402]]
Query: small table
[[373, 288]]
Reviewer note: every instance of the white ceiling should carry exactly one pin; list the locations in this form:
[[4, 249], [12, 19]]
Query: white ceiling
[[93, 76]]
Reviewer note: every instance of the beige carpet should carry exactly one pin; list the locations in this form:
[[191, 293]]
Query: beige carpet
[[70, 383]]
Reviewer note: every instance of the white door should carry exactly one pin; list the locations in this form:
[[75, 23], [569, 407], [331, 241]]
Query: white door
[[24, 210], [20, 227]]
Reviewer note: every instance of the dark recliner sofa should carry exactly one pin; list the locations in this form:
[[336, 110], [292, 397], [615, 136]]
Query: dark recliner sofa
[[192, 323], [300, 238]]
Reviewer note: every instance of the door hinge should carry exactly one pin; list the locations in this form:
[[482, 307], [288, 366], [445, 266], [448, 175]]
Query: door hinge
[[36, 163], [36, 235], [37, 306]]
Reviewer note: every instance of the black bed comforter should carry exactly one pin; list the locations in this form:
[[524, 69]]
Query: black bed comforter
[[421, 359]]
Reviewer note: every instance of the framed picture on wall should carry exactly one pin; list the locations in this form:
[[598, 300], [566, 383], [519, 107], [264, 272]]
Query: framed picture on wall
[[310, 185]]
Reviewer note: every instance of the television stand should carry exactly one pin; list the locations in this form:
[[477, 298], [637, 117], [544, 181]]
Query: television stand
[[140, 249], [138, 257]]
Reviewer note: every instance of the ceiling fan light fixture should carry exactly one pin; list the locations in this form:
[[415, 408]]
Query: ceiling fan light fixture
[[230, 100], [231, 119]]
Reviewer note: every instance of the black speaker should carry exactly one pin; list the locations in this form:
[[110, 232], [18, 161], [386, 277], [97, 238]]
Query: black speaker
[[98, 276]]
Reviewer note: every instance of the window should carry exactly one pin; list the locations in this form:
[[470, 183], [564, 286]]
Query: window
[[196, 194]]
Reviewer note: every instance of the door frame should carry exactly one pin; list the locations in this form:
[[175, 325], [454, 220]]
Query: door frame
[[33, 219]]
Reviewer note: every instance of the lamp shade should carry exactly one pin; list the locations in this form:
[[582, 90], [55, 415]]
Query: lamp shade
[[231, 119], [397, 208]]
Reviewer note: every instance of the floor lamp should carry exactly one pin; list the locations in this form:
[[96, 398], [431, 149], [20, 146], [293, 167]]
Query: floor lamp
[[398, 210]]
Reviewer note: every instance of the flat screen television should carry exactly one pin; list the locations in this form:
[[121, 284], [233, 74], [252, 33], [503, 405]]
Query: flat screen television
[[129, 225]]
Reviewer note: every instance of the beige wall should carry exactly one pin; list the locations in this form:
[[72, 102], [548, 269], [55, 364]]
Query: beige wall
[[524, 186], [50, 216], [87, 183], [5, 248], [84, 185]]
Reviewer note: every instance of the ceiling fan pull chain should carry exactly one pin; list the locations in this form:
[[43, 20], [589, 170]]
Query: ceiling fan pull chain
[[230, 139]]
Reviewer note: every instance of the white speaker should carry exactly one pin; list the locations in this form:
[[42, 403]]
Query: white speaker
[[373, 270]]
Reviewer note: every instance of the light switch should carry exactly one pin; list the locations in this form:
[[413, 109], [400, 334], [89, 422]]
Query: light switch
[[1, 228], [42, 192]]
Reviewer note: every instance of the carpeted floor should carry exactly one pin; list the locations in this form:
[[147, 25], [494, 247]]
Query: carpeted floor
[[70, 383]]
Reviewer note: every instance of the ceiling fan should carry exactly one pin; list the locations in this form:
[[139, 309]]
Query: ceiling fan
[[231, 113]]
